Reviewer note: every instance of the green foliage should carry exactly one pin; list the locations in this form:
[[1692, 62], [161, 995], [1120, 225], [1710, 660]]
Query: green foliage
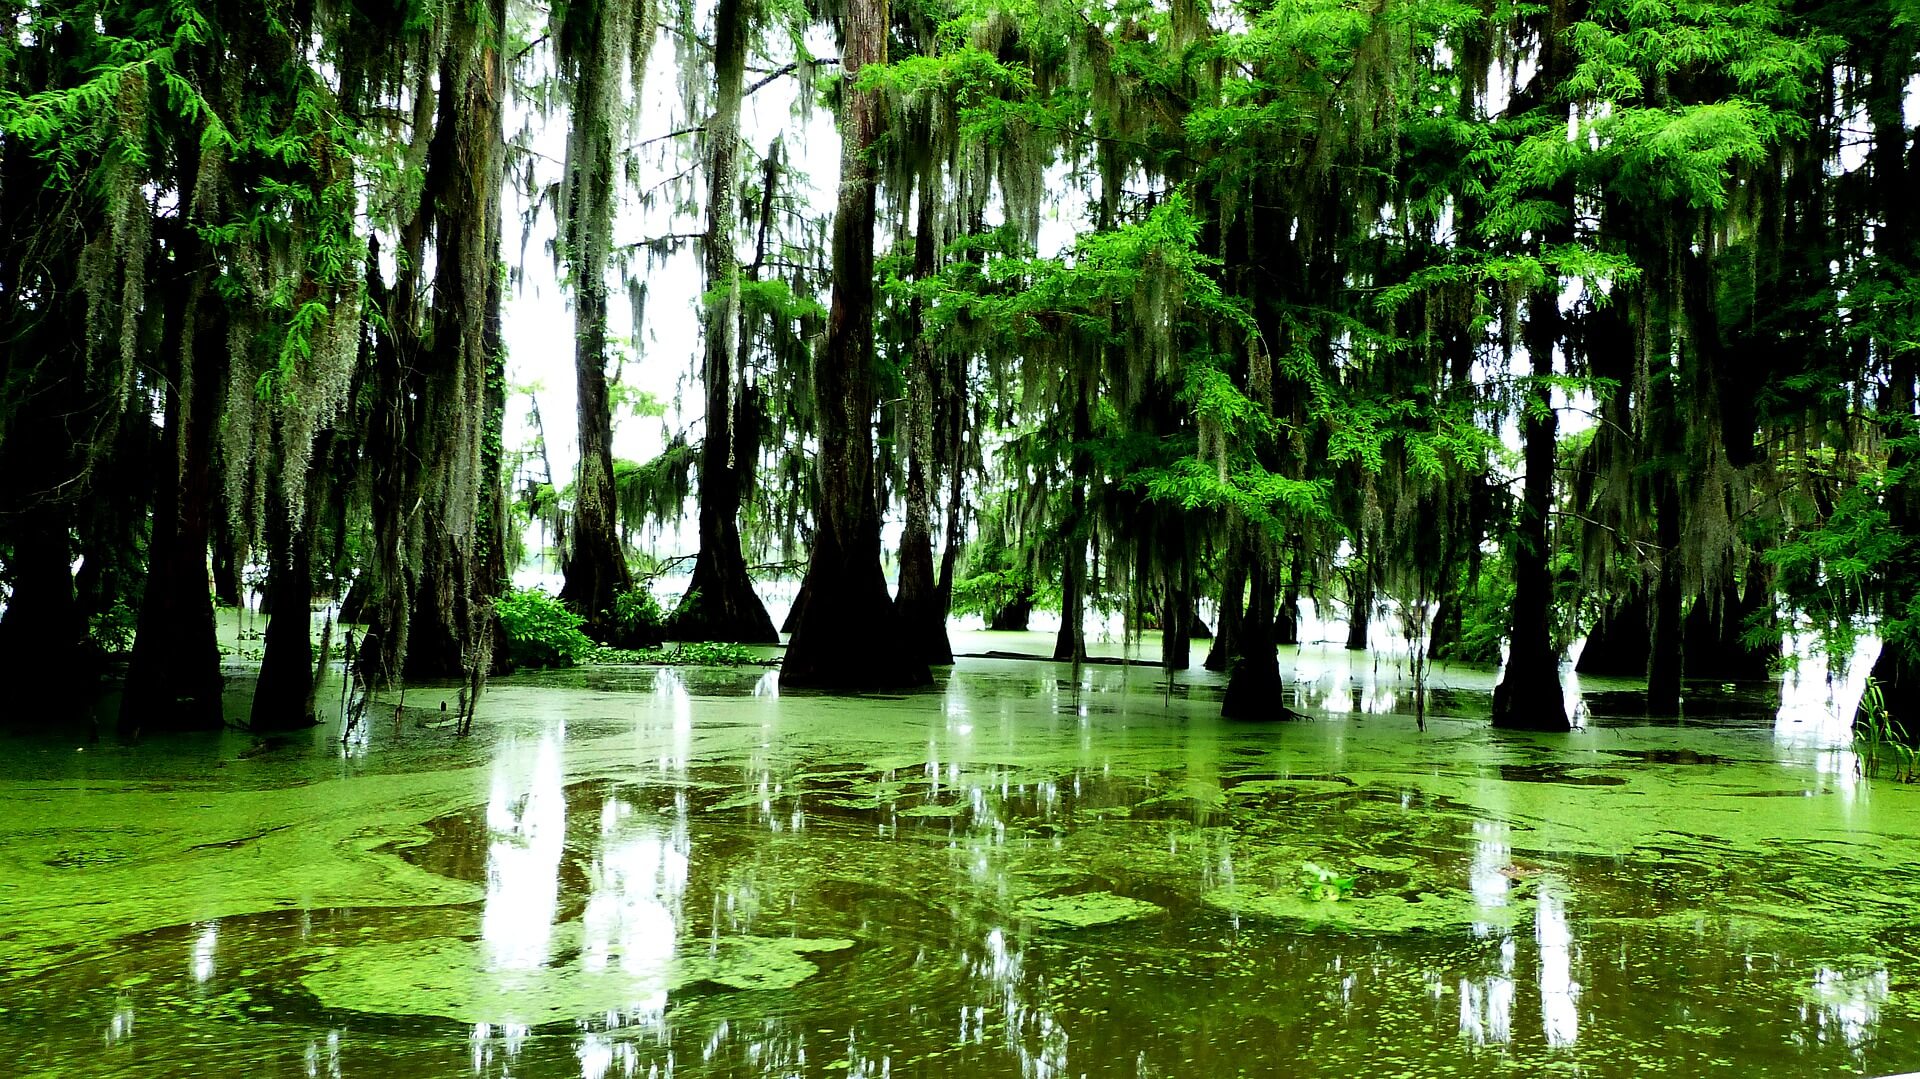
[[541, 631], [654, 491], [1486, 608], [989, 591], [636, 613], [1856, 558]]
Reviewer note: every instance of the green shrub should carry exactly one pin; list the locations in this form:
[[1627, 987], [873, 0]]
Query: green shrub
[[541, 631], [637, 613]]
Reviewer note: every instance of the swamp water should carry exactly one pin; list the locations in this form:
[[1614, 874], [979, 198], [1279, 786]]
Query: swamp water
[[654, 873]]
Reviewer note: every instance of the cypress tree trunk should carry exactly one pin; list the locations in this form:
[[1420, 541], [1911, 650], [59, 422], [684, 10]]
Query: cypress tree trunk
[[42, 628], [491, 574], [1233, 600], [456, 437], [386, 584], [396, 426], [1176, 603], [1286, 623], [1070, 646], [1713, 633], [596, 570], [1176, 640], [921, 610], [847, 634], [1528, 696], [1620, 646], [1444, 636], [434, 629], [173, 681], [1254, 686], [1666, 656], [433, 377], [953, 404], [1014, 616], [793, 611], [44, 625], [1893, 164], [227, 561], [1360, 607], [955, 535], [720, 603], [1897, 669], [596, 567], [281, 697]]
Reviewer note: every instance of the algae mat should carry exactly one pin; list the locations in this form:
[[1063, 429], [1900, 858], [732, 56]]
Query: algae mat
[[1023, 873]]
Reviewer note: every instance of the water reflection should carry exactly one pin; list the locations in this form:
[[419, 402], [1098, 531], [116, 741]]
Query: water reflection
[[1487, 876], [1817, 698], [600, 1055], [1486, 1004], [1559, 993], [1846, 1003], [527, 831], [637, 890], [673, 702], [120, 1026], [1030, 1032], [324, 1058], [204, 945]]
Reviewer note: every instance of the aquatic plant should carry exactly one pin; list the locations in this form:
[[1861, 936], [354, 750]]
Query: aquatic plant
[[1879, 739], [1322, 885]]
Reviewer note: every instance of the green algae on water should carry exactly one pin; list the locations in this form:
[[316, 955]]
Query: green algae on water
[[1086, 909], [453, 978], [1423, 912]]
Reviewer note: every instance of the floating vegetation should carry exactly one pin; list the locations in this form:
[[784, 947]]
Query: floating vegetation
[[687, 654], [1086, 909], [455, 978]]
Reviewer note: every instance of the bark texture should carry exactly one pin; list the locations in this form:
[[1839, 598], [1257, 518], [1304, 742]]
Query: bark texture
[[847, 634]]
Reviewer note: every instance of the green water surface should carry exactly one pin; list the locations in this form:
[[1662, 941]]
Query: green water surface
[[1029, 872]]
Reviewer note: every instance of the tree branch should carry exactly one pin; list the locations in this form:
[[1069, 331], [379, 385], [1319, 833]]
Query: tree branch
[[786, 69], [671, 237], [531, 45], [669, 135]]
